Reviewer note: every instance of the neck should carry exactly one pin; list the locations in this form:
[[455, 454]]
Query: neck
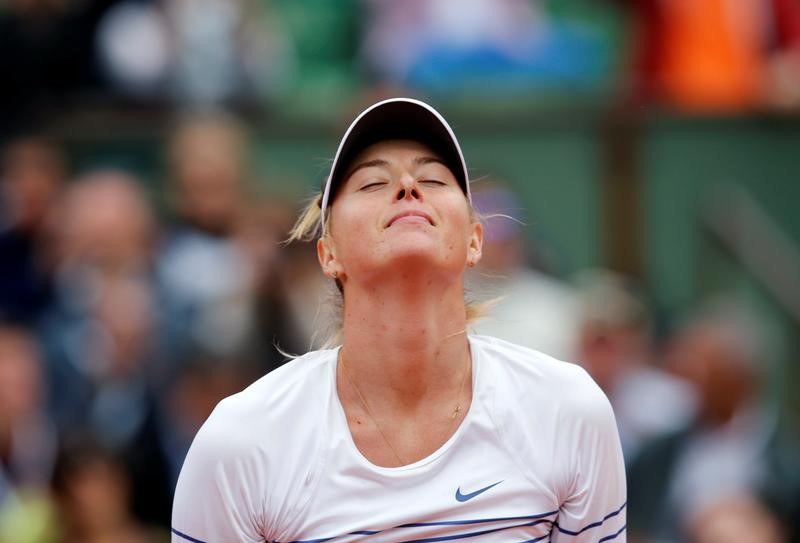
[[5, 442], [404, 342]]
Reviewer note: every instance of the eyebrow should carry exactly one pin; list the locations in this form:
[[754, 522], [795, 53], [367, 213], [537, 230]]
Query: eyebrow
[[422, 160], [381, 163]]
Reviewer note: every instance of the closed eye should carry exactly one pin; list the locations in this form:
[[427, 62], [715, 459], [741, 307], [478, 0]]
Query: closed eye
[[375, 185], [433, 182]]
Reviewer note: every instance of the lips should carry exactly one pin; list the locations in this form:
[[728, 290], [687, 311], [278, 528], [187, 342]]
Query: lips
[[411, 215]]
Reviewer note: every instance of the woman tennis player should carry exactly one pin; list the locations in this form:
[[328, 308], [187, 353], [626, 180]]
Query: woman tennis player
[[412, 429]]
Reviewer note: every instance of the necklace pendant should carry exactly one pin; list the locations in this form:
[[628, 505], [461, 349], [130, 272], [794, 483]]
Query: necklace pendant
[[456, 411]]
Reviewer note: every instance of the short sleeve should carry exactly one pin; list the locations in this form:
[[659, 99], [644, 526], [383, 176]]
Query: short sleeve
[[594, 509], [216, 498]]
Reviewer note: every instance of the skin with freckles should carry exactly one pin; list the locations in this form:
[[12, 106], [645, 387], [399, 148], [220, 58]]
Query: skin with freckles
[[400, 211], [400, 238]]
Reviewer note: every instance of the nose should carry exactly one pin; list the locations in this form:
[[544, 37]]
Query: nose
[[408, 188]]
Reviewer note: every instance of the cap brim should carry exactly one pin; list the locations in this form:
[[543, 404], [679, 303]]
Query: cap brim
[[396, 118]]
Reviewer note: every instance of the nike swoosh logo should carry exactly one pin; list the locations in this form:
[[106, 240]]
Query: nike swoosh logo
[[466, 497]]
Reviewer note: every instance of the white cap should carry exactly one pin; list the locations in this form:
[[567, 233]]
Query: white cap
[[397, 118]]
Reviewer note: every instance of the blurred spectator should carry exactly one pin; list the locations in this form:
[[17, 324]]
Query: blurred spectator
[[32, 176], [115, 395], [201, 52], [91, 490], [718, 55], [104, 352], [533, 309], [504, 46], [225, 49], [208, 162], [207, 281], [105, 227], [28, 439], [723, 452], [100, 335], [735, 518], [217, 270], [616, 348]]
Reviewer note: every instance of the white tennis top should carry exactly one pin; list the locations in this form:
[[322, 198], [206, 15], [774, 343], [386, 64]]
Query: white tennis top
[[536, 458]]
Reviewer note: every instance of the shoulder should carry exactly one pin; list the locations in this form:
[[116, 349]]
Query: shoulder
[[546, 409], [531, 368], [259, 452], [554, 394], [287, 402], [279, 400]]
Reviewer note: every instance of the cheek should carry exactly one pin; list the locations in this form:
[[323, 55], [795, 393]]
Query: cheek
[[353, 232], [461, 225], [456, 243], [349, 219]]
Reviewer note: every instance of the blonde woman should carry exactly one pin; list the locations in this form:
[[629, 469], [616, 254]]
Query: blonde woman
[[412, 429]]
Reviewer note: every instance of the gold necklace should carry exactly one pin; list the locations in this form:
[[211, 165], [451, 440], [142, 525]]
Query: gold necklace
[[364, 404], [457, 409]]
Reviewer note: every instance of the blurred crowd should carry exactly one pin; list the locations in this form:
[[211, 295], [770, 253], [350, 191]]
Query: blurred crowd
[[706, 55], [124, 322], [708, 453], [120, 331]]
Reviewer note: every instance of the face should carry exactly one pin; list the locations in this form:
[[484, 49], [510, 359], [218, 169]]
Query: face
[[399, 208], [706, 361], [106, 223], [33, 173], [208, 172], [20, 376]]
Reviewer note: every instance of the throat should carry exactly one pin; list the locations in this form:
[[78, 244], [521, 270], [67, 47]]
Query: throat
[[390, 431], [404, 441], [413, 318]]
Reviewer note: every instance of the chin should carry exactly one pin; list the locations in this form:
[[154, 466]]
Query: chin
[[420, 257], [416, 245]]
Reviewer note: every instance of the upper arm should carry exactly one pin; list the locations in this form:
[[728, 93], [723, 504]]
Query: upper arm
[[595, 505], [217, 497]]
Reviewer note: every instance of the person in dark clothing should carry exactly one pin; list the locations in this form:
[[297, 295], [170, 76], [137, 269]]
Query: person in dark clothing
[[32, 176]]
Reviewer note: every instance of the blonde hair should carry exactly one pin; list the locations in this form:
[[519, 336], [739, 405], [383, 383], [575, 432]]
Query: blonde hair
[[308, 228]]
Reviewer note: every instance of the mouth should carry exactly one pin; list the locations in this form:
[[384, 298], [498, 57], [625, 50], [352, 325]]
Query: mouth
[[411, 216]]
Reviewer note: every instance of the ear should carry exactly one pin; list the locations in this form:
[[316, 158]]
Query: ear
[[326, 255], [475, 247]]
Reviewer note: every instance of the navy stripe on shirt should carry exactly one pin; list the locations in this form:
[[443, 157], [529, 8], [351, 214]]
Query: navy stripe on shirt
[[593, 524], [186, 537], [534, 520]]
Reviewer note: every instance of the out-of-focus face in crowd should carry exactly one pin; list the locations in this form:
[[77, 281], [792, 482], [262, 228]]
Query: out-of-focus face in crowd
[[33, 173], [711, 357], [20, 376], [207, 157], [92, 492], [105, 223], [615, 334]]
